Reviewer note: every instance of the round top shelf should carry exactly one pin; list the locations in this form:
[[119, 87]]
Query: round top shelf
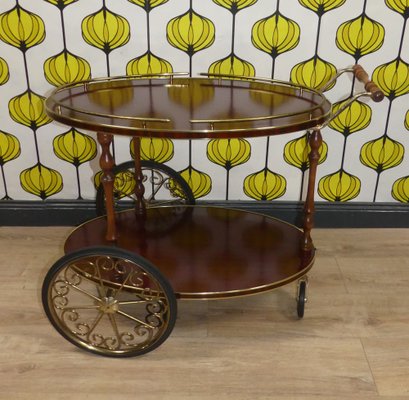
[[182, 107]]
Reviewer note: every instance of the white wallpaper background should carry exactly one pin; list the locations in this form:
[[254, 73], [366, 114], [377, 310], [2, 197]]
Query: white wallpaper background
[[45, 43]]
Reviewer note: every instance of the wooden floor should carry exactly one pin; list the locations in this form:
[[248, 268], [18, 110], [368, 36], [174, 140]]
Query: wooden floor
[[352, 344]]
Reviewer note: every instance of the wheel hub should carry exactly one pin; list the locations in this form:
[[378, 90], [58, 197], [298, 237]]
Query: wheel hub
[[109, 305]]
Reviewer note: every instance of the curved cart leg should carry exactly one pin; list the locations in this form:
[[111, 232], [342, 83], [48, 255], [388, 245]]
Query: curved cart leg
[[109, 301], [163, 186], [301, 296]]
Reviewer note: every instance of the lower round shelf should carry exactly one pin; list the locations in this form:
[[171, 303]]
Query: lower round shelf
[[206, 252]]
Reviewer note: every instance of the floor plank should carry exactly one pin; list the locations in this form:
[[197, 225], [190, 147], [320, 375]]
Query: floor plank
[[389, 360]]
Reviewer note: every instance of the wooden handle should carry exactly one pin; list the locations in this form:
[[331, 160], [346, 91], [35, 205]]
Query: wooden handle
[[362, 76]]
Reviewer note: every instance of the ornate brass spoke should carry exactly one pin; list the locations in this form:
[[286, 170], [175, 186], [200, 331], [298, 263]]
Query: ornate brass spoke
[[164, 202], [94, 325], [129, 196], [157, 185], [74, 308], [102, 295], [135, 319], [101, 282], [112, 320], [82, 291], [128, 302], [122, 285]]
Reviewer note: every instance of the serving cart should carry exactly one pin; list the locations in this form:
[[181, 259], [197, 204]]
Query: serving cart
[[115, 290]]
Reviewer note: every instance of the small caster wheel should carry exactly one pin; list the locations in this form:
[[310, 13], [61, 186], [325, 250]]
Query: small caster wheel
[[301, 297], [163, 186], [109, 301]]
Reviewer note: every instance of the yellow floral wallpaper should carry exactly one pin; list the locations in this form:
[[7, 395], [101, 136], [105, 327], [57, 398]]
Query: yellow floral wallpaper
[[46, 43]]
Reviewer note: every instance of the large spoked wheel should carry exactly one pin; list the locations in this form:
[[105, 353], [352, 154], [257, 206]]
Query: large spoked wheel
[[163, 186], [109, 301]]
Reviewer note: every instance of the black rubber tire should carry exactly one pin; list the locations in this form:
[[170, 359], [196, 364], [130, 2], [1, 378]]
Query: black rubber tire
[[301, 298], [49, 293], [187, 198]]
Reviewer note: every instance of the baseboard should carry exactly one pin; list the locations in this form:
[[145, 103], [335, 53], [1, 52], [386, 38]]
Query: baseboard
[[328, 215], [336, 215], [46, 213]]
